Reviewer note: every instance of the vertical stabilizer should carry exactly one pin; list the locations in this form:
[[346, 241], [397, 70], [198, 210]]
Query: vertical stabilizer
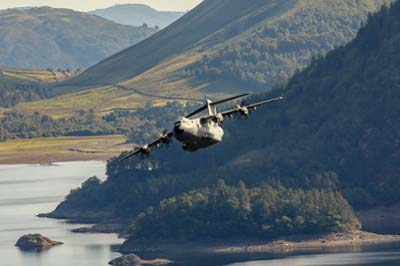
[[212, 109]]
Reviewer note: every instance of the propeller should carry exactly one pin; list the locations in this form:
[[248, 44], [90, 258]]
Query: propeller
[[165, 139], [244, 111], [219, 118], [143, 150]]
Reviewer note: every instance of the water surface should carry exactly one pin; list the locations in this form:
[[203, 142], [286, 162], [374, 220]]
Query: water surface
[[361, 258], [25, 191]]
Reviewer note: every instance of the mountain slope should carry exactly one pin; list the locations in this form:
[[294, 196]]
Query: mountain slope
[[61, 38], [337, 129], [215, 26], [137, 14], [337, 121], [209, 17], [219, 48], [19, 85]]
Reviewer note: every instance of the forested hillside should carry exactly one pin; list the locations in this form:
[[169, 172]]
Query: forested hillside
[[225, 212], [273, 50], [336, 133], [46, 37]]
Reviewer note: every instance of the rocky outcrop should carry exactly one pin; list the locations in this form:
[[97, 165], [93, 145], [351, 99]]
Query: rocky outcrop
[[36, 242], [66, 211], [101, 228], [127, 260], [134, 260]]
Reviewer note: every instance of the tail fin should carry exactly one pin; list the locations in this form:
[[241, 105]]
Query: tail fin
[[212, 108]]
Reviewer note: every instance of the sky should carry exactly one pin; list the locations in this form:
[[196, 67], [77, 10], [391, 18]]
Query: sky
[[87, 5]]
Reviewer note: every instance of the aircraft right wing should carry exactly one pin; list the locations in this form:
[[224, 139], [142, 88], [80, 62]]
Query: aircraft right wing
[[245, 109]]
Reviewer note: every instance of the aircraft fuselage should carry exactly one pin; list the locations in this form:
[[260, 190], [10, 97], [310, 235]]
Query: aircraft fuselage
[[197, 134]]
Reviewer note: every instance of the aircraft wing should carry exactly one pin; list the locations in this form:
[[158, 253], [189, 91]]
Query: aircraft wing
[[146, 149], [204, 107], [245, 108]]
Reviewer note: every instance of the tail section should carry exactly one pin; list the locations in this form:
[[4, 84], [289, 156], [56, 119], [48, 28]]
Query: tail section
[[212, 108]]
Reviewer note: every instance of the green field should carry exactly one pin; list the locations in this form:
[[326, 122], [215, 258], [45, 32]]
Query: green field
[[27, 75], [44, 150]]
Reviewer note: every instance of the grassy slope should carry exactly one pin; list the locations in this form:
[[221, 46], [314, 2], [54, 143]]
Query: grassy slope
[[206, 19], [19, 85], [202, 31], [61, 149], [100, 99], [155, 74], [26, 75]]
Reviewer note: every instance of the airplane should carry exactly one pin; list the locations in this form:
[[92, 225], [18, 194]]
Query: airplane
[[201, 132]]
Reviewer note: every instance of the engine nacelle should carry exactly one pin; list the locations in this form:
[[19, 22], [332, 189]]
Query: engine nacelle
[[244, 111], [145, 149], [219, 118]]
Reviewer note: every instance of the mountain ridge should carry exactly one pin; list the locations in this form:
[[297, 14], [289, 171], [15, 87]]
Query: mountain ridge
[[261, 45], [138, 14], [61, 38], [172, 38], [182, 42]]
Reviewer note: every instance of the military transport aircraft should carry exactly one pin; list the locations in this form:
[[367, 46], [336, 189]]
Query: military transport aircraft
[[201, 132]]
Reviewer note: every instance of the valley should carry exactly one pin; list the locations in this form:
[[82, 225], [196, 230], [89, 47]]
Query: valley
[[319, 148], [319, 171], [191, 66]]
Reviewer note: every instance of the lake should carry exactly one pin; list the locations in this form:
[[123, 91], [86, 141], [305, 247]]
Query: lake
[[361, 258], [26, 190]]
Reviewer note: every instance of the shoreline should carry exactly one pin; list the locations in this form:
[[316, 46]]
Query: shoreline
[[330, 241], [176, 249], [48, 159], [333, 241]]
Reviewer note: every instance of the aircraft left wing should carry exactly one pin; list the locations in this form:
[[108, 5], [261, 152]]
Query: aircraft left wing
[[204, 107], [146, 149]]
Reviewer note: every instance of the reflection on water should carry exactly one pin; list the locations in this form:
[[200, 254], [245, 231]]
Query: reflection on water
[[348, 259], [26, 190]]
